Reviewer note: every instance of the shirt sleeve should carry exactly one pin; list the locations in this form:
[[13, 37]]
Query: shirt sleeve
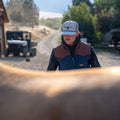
[[52, 62], [93, 59]]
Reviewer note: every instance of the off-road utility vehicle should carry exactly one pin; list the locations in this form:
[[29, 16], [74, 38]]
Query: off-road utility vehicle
[[20, 42], [115, 43]]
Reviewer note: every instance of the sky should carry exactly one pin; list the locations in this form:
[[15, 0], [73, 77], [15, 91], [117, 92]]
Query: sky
[[56, 6], [47, 7]]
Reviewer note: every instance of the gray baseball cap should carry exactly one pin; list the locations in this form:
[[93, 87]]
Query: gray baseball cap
[[69, 28]]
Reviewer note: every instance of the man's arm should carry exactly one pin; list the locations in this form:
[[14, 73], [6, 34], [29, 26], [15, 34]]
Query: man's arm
[[52, 62], [94, 60]]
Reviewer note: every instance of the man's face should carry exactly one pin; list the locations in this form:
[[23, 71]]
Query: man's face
[[69, 39]]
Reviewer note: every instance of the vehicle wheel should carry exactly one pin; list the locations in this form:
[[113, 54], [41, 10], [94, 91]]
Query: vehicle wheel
[[25, 52], [119, 51], [16, 53], [6, 52], [33, 52]]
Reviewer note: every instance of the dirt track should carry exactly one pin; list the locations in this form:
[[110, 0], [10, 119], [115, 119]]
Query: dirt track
[[44, 48], [39, 62]]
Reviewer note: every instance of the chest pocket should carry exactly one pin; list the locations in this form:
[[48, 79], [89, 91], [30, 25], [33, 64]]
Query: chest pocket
[[82, 61]]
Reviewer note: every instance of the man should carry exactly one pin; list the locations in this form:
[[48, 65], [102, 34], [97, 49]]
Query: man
[[72, 53]]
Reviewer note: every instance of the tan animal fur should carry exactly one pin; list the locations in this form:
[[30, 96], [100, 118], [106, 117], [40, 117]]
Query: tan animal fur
[[88, 94]]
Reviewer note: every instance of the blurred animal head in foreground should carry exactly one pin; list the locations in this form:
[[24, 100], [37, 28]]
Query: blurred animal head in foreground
[[88, 94]]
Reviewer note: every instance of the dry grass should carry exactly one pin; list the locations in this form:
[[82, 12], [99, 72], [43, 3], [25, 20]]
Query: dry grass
[[37, 33]]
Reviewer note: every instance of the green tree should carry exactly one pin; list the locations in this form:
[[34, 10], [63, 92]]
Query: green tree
[[66, 16], [77, 2], [89, 4], [24, 11], [104, 5], [117, 5], [31, 12], [87, 22], [13, 10], [108, 13]]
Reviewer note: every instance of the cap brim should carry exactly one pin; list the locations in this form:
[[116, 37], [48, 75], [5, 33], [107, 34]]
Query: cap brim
[[68, 33]]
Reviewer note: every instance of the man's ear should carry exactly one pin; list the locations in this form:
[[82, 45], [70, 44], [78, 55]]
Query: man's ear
[[78, 32]]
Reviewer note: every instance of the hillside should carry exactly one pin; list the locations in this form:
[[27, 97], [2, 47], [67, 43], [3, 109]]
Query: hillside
[[37, 33]]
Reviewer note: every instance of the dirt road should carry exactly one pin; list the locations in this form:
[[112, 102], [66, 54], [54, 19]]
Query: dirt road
[[44, 48], [39, 62]]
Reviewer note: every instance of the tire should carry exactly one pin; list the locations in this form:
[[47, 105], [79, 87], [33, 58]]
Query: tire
[[25, 52], [16, 53], [119, 51], [6, 52], [33, 52]]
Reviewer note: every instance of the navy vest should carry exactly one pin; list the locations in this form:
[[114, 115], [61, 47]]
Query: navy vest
[[80, 59]]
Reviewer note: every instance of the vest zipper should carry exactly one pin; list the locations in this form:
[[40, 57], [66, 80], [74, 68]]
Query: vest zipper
[[73, 61]]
